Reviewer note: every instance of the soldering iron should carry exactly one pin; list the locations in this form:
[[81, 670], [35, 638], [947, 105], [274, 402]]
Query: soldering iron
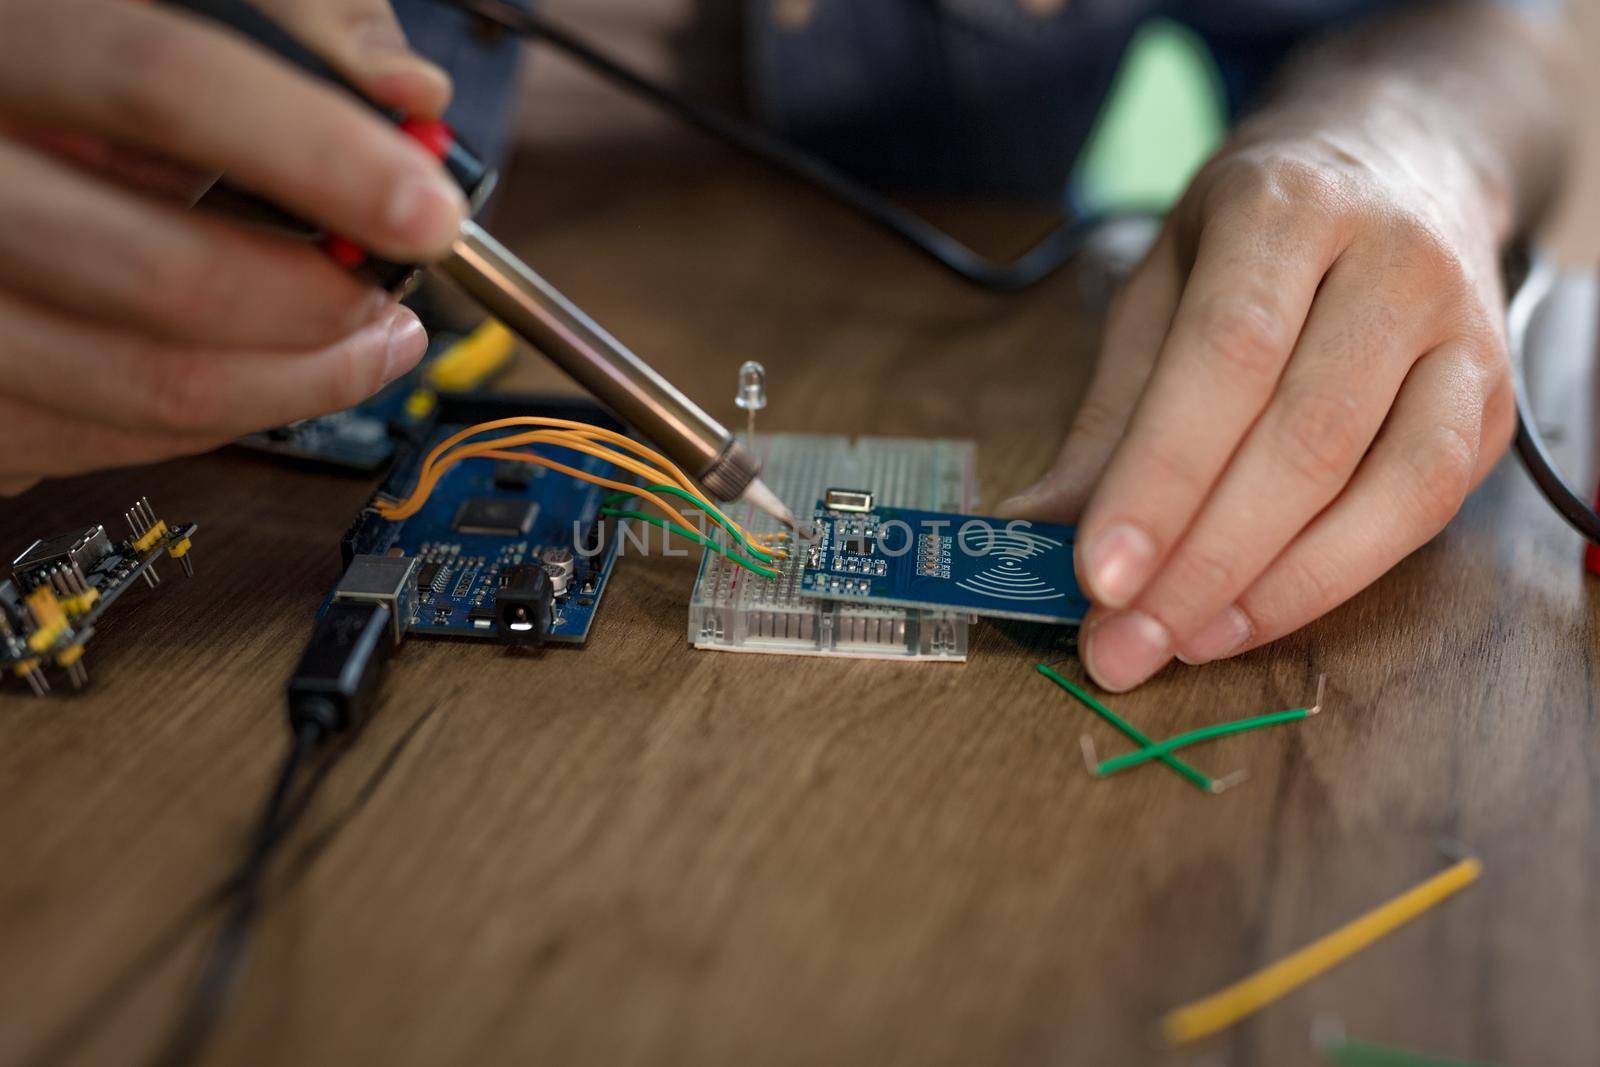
[[524, 301]]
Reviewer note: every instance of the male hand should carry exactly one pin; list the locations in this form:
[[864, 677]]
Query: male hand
[[132, 329], [1297, 388]]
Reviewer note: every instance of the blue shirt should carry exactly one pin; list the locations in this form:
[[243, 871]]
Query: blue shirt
[[958, 95]]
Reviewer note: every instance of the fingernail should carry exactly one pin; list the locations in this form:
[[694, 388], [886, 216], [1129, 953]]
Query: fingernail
[[1015, 505], [1221, 637], [1056, 497], [1117, 564], [377, 306], [425, 209], [1123, 649], [407, 341]]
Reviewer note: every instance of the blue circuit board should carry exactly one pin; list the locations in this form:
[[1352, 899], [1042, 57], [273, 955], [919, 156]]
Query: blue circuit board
[[362, 438], [483, 519], [367, 436], [944, 561]]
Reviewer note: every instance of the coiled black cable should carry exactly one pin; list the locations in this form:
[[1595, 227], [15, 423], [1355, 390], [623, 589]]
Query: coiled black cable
[[1049, 254], [1053, 251], [1533, 289]]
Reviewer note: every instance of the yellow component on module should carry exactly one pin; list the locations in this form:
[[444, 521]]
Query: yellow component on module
[[420, 404], [151, 536], [471, 361], [69, 655], [23, 668], [179, 550], [81, 603], [49, 618]]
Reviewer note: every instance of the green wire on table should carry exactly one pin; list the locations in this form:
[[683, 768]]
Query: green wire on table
[[683, 531], [1194, 737], [1361, 1054], [1132, 732]]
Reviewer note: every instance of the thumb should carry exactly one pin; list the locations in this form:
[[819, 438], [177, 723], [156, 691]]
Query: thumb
[[363, 40]]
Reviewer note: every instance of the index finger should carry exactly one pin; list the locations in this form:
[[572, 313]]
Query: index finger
[[171, 83], [1237, 321]]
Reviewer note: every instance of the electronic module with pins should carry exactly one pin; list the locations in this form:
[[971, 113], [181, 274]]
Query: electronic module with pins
[[61, 586], [903, 557]]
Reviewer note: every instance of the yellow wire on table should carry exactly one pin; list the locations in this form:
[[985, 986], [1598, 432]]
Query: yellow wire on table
[[1249, 995]]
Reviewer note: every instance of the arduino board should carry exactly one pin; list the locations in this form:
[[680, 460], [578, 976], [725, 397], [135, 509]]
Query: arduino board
[[936, 560], [505, 551]]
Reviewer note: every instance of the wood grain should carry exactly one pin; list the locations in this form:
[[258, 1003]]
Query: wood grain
[[638, 853]]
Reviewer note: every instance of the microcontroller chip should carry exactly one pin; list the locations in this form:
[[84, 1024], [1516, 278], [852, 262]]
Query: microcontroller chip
[[858, 544], [501, 516], [427, 576]]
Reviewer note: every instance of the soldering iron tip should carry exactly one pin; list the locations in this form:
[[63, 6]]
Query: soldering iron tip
[[757, 495]]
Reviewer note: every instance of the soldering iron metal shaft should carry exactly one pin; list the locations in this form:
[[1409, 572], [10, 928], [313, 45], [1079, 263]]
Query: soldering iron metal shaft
[[515, 294]]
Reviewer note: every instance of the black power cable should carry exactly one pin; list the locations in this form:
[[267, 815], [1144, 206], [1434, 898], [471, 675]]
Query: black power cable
[[1051, 252], [1533, 287], [220, 973], [331, 692]]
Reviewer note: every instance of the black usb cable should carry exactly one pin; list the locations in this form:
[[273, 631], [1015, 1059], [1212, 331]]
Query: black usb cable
[[331, 692]]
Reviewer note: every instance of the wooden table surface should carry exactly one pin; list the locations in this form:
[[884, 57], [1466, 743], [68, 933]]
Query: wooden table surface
[[639, 853]]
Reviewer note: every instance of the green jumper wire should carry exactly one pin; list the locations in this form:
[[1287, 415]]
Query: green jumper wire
[[1207, 733], [1133, 733], [1362, 1054], [607, 508], [1163, 750]]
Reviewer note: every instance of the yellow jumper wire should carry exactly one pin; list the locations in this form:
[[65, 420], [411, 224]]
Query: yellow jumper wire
[[1249, 995]]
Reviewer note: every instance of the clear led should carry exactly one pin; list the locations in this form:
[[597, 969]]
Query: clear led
[[752, 395]]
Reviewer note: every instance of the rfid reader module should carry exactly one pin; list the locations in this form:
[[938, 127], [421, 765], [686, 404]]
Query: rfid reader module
[[1009, 569]]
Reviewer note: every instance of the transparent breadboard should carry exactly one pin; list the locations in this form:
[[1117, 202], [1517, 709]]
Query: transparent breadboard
[[736, 611]]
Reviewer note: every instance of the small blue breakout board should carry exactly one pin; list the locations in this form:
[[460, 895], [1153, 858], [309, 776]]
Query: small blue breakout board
[[938, 560], [488, 520]]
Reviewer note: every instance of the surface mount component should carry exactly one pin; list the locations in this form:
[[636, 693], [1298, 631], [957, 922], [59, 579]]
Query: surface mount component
[[480, 537], [1009, 569], [733, 610], [61, 586]]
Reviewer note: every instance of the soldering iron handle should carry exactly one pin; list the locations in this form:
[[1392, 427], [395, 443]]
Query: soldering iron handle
[[467, 169]]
